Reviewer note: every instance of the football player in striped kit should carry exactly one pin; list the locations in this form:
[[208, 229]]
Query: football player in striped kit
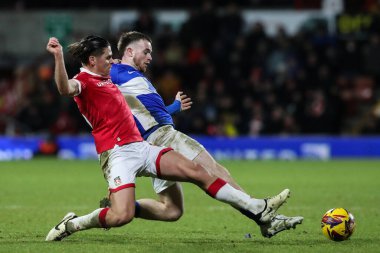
[[123, 153], [154, 121]]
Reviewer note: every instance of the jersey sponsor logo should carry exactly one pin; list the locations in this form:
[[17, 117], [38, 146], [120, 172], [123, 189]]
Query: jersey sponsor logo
[[100, 84], [130, 72]]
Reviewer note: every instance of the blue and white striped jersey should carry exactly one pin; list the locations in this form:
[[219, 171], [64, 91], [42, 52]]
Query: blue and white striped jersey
[[147, 105]]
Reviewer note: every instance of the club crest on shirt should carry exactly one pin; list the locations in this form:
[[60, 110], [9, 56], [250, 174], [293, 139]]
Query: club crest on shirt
[[117, 180]]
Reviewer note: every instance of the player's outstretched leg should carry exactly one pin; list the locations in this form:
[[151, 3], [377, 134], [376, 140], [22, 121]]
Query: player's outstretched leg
[[60, 231], [265, 216], [280, 223], [173, 166]]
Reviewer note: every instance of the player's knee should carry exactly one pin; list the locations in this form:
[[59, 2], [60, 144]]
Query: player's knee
[[174, 213], [123, 219]]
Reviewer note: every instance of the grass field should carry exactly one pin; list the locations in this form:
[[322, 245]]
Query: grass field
[[36, 194]]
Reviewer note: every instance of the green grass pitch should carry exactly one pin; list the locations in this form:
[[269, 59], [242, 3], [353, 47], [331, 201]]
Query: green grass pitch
[[36, 194]]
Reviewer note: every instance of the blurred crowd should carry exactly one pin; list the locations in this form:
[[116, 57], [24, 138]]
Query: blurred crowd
[[242, 81]]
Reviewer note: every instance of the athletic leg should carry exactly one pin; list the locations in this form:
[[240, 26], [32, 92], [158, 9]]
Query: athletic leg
[[278, 224], [169, 207], [192, 150], [173, 166], [120, 166], [120, 213], [209, 163]]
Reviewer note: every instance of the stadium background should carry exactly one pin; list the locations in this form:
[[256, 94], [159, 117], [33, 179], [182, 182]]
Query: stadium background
[[253, 69], [279, 79]]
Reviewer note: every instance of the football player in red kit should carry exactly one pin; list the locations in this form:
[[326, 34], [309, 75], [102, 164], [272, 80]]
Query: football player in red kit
[[124, 155]]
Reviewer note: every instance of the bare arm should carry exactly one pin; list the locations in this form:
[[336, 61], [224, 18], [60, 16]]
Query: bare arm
[[65, 86]]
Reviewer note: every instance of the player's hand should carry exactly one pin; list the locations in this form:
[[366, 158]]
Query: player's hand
[[54, 46], [185, 101]]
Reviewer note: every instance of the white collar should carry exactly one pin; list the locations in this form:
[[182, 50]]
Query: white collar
[[89, 72]]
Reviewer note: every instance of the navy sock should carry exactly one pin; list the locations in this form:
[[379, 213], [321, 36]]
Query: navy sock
[[254, 217], [137, 209]]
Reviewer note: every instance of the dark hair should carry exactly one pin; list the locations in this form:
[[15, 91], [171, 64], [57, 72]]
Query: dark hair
[[129, 37], [91, 45]]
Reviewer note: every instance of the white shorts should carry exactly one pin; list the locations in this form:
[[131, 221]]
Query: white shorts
[[180, 142], [122, 164]]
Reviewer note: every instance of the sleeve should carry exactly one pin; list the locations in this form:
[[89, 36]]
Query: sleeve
[[80, 87], [174, 108]]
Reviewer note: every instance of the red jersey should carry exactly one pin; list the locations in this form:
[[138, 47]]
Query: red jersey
[[105, 109]]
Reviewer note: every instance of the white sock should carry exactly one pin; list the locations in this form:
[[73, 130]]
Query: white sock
[[84, 222], [239, 199]]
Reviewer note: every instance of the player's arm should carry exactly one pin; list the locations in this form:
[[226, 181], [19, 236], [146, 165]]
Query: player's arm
[[65, 86], [181, 103]]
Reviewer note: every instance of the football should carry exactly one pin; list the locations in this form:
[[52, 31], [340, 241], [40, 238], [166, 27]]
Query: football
[[338, 224]]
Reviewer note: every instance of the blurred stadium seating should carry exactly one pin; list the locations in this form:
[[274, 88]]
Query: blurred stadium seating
[[244, 79]]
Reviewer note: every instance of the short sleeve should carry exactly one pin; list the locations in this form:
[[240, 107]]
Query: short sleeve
[[80, 86]]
